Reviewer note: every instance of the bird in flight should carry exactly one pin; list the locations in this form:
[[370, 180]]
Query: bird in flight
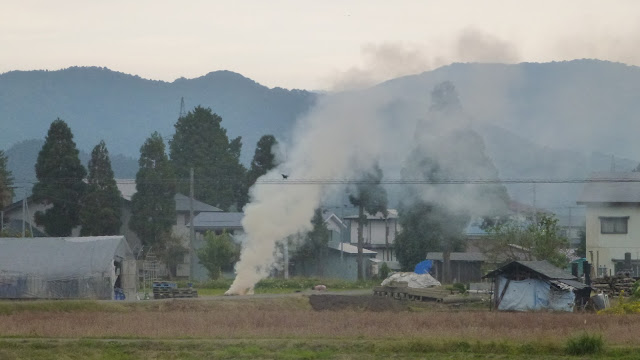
[[284, 176]]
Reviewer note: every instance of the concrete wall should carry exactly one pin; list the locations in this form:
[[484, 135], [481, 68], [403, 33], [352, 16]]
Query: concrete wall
[[602, 248]]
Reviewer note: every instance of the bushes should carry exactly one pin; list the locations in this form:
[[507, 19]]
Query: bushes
[[585, 344], [296, 283], [384, 271]]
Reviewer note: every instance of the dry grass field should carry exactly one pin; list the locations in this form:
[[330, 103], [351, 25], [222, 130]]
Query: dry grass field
[[273, 326]]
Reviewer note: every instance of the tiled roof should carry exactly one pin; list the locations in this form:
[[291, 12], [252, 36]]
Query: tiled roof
[[544, 268], [218, 220]]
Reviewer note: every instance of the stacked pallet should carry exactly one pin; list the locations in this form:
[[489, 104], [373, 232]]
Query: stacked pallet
[[614, 285], [167, 289], [163, 289]]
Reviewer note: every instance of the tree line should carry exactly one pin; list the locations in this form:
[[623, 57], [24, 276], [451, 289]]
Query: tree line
[[90, 199]]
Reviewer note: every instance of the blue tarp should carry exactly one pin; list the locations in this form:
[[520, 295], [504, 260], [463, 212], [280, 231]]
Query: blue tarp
[[533, 294], [423, 267]]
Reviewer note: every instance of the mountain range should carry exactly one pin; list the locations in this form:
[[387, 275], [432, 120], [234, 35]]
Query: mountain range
[[538, 120]]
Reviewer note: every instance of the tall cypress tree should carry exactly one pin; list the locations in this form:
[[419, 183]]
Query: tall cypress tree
[[200, 142], [263, 159], [6, 182], [101, 206], [60, 181], [153, 206]]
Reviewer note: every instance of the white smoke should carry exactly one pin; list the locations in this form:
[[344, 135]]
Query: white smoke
[[342, 136]]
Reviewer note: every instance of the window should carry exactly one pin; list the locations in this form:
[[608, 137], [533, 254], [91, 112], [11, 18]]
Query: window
[[613, 225]]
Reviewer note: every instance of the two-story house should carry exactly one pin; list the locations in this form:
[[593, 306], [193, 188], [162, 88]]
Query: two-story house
[[613, 222], [379, 233]]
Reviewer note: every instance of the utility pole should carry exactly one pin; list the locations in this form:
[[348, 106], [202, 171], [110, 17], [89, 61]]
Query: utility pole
[[286, 258], [192, 230], [24, 208]]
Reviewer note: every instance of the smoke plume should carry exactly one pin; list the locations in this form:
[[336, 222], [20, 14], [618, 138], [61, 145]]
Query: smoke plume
[[344, 136], [390, 60], [341, 137]]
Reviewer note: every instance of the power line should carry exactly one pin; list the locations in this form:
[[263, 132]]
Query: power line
[[337, 181]]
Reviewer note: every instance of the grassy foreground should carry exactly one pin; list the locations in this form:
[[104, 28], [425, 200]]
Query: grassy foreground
[[288, 349], [288, 328]]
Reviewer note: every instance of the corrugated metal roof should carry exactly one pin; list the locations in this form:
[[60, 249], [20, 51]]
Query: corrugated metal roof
[[611, 187], [457, 256], [544, 268], [218, 220], [182, 204], [572, 284]]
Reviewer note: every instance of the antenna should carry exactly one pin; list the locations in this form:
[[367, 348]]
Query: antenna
[[182, 112]]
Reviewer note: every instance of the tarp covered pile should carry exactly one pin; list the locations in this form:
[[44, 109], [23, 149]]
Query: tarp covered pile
[[413, 280]]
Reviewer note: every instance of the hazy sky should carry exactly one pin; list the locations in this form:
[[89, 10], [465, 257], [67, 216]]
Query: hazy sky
[[309, 44]]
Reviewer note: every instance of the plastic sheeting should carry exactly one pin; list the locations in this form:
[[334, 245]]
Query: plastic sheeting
[[81, 267], [417, 281], [533, 294], [423, 267]]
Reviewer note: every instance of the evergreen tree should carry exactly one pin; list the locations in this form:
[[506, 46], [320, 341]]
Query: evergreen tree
[[60, 181], [372, 198], [201, 143], [314, 246], [101, 206], [6, 182], [153, 206], [263, 159]]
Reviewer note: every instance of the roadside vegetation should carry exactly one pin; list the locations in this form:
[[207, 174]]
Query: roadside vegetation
[[277, 285]]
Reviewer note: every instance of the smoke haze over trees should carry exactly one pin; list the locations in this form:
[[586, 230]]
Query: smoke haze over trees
[[434, 216], [526, 113], [263, 159], [371, 198]]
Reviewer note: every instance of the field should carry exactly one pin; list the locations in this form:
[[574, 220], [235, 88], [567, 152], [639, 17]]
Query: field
[[298, 326]]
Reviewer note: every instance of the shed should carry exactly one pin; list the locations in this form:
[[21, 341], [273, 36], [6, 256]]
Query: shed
[[340, 263], [95, 267], [536, 285], [465, 267]]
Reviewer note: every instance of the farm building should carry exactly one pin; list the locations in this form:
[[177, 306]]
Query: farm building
[[66, 268], [536, 285], [340, 263], [465, 267]]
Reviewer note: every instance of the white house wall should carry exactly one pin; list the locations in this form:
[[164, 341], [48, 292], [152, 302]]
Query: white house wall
[[374, 232], [602, 248]]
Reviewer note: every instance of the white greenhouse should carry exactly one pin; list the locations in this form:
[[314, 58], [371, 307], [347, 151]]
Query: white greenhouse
[[100, 267]]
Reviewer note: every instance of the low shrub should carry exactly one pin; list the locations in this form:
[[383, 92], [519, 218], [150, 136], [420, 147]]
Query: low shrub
[[585, 344], [296, 283]]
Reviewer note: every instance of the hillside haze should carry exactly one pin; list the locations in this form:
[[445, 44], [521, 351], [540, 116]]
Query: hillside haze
[[124, 110], [557, 120]]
